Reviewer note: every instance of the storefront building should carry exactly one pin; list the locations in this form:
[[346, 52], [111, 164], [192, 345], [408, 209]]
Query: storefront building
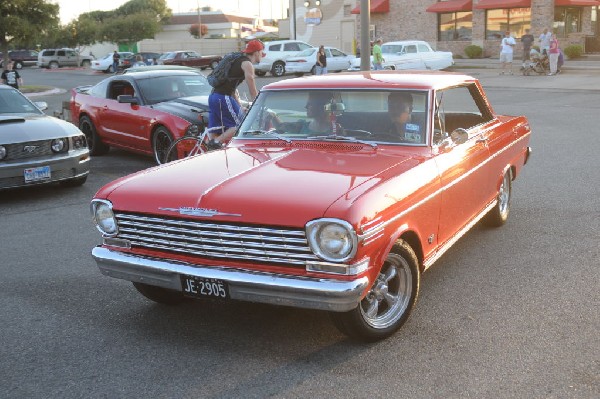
[[452, 25]]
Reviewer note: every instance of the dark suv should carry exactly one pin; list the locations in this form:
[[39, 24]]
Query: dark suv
[[22, 58]]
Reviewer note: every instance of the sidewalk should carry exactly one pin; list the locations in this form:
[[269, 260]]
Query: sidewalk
[[580, 74]]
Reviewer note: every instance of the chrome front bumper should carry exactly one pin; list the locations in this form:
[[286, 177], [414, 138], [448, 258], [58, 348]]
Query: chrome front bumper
[[244, 284]]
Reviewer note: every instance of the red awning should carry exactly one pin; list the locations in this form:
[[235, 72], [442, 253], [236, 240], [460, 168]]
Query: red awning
[[377, 7], [580, 3], [451, 6], [489, 4]]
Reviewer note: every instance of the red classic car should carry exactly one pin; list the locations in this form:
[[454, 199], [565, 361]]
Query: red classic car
[[336, 194], [191, 59], [141, 111]]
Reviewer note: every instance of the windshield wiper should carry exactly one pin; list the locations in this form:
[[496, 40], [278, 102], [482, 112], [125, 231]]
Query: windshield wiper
[[270, 132], [343, 138]]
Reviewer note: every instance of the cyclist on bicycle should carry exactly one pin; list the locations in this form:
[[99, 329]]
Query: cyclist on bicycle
[[224, 104]]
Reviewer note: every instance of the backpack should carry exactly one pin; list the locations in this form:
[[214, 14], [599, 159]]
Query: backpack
[[220, 74]]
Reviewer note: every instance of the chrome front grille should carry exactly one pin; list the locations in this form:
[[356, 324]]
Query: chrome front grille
[[216, 240], [31, 149]]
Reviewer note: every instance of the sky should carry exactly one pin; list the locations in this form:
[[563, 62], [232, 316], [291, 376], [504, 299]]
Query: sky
[[70, 9]]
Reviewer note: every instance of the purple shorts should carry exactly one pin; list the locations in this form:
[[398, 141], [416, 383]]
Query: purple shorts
[[224, 111]]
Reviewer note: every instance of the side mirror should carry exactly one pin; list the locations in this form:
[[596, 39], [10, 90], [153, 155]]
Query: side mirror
[[459, 136], [127, 99], [42, 105]]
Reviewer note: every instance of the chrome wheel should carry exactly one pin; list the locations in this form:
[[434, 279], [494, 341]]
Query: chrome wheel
[[278, 69], [160, 144], [389, 301], [389, 297], [504, 196]]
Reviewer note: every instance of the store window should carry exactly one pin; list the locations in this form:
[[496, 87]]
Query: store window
[[515, 20], [566, 20], [455, 26]]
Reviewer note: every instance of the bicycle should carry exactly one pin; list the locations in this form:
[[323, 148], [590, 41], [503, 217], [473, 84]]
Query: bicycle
[[189, 146]]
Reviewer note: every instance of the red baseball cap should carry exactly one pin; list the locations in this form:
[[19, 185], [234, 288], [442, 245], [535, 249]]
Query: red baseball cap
[[254, 46]]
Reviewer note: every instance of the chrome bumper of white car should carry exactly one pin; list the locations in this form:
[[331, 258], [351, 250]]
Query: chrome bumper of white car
[[246, 285]]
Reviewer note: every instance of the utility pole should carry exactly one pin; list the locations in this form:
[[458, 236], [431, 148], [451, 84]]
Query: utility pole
[[365, 45]]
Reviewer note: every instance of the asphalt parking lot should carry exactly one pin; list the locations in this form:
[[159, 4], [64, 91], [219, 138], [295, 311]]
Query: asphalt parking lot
[[506, 313]]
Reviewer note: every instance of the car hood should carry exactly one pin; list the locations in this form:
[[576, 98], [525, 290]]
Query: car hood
[[31, 127], [266, 186], [187, 108]]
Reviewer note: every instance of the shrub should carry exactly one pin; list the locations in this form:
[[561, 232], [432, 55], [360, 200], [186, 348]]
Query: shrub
[[573, 51], [473, 51]]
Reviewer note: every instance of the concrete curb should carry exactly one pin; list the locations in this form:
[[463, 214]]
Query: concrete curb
[[55, 90]]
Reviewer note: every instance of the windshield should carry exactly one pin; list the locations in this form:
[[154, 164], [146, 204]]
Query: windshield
[[385, 116], [13, 102], [165, 88]]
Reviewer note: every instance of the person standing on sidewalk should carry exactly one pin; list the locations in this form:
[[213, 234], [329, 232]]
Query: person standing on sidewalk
[[554, 52], [545, 38], [377, 55], [506, 52], [527, 40], [115, 64]]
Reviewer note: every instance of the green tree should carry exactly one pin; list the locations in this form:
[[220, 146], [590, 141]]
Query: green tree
[[22, 20], [194, 30]]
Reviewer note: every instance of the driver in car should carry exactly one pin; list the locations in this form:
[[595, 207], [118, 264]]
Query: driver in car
[[400, 106]]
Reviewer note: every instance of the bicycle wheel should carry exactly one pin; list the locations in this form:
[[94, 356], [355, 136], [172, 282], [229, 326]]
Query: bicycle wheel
[[185, 147]]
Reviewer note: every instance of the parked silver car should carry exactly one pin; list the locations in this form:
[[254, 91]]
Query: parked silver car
[[36, 148]]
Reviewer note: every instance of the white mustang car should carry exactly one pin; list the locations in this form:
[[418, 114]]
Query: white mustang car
[[410, 54]]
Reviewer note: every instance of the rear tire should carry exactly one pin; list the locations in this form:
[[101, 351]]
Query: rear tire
[[159, 295], [213, 65], [390, 300], [18, 65], [53, 65], [498, 215], [95, 144], [86, 63], [260, 73]]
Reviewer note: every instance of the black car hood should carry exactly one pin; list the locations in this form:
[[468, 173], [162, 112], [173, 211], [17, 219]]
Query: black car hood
[[187, 108]]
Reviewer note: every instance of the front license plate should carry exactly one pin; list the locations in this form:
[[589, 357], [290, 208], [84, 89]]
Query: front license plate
[[37, 174], [198, 287]]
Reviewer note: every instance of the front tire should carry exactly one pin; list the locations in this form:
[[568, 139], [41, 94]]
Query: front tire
[[498, 215], [278, 69], [184, 147], [389, 301], [260, 73], [161, 142], [159, 295], [213, 65], [95, 144], [18, 65]]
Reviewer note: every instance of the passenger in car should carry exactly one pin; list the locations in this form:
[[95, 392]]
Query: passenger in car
[[320, 121], [400, 106]]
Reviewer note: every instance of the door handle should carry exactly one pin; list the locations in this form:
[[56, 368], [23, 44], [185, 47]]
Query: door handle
[[482, 140]]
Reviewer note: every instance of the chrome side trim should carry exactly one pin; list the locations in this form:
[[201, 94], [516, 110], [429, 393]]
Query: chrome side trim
[[246, 285], [442, 250]]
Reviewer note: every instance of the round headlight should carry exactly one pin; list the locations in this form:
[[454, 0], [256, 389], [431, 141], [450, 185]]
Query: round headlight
[[331, 239], [104, 217], [59, 145], [2, 152], [192, 130]]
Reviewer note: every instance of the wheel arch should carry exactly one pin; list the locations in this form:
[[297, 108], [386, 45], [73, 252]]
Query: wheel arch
[[411, 237]]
